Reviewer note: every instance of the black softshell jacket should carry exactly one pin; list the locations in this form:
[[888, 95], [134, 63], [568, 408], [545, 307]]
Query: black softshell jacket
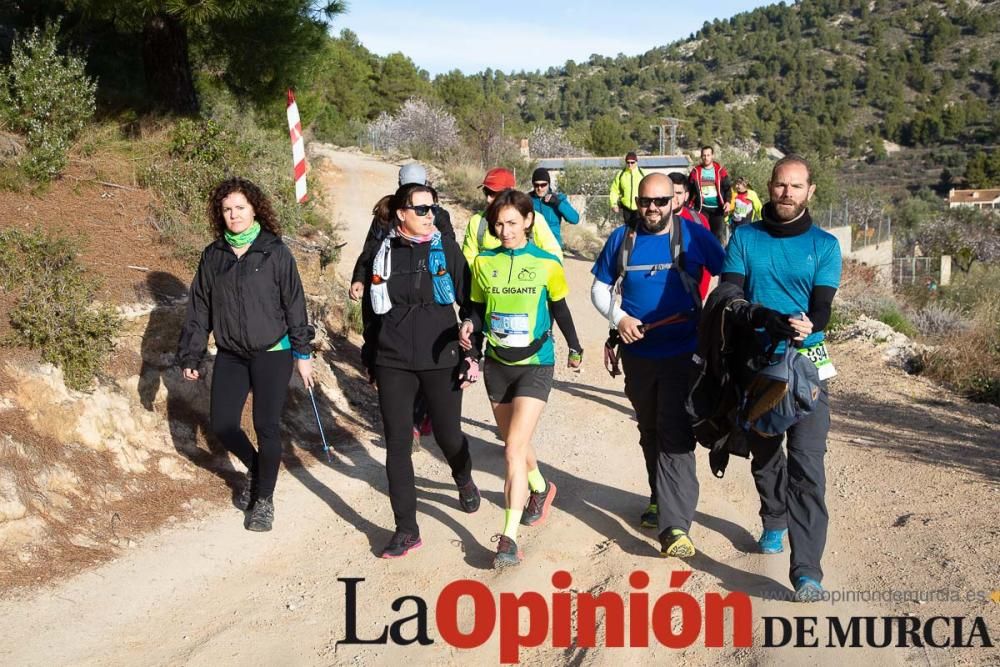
[[250, 302], [417, 333]]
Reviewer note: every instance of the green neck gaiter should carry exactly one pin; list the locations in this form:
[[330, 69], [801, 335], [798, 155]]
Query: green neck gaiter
[[244, 238]]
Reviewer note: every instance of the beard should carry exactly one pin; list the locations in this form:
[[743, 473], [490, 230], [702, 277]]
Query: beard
[[656, 227], [786, 211]]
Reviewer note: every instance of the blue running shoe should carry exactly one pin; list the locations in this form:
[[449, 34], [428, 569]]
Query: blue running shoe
[[808, 590], [771, 541]]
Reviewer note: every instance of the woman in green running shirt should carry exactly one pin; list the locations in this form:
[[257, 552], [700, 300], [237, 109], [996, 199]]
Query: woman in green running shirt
[[517, 290]]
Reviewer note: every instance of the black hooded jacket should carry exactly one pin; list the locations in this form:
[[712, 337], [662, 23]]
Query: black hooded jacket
[[249, 302]]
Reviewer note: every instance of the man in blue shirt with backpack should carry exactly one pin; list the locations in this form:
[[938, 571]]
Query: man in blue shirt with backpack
[[658, 265]]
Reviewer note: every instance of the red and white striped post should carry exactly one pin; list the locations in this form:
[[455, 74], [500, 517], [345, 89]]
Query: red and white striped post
[[298, 148]]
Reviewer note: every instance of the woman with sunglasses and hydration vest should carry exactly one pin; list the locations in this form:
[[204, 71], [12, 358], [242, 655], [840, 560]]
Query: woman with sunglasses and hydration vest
[[517, 290], [414, 280]]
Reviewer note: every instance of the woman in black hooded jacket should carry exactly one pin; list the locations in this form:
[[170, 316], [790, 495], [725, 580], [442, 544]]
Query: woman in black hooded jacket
[[414, 279], [247, 291]]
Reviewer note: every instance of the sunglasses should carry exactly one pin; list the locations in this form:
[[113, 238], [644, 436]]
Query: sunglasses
[[629, 161], [489, 193], [423, 209], [540, 185], [646, 202]]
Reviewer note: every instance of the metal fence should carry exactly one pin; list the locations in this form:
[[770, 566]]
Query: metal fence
[[915, 270]]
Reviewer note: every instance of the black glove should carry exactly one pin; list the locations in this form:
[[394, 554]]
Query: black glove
[[774, 323], [553, 200]]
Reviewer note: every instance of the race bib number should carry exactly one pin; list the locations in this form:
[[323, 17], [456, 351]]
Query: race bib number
[[820, 357], [511, 328], [709, 192]]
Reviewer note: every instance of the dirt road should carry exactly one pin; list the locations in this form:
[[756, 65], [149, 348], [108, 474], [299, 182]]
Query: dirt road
[[913, 500]]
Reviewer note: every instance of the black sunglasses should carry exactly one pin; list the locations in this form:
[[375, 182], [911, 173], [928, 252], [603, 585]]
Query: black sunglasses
[[629, 161], [540, 185], [661, 202], [423, 209]]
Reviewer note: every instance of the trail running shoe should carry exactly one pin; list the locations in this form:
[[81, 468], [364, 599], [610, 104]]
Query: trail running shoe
[[401, 544], [651, 517], [468, 497], [539, 504], [262, 515], [507, 553], [808, 589], [244, 500], [770, 541], [675, 542]]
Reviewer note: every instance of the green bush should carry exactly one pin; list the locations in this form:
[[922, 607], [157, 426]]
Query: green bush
[[895, 318], [201, 153], [47, 97], [55, 311]]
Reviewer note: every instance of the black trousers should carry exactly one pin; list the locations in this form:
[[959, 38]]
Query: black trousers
[[397, 389], [267, 374], [630, 217], [657, 389], [793, 490], [717, 221]]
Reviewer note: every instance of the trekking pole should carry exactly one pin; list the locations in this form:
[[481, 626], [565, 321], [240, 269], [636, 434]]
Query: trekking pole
[[319, 424]]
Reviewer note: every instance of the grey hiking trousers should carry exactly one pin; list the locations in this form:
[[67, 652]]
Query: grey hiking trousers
[[657, 389], [792, 489]]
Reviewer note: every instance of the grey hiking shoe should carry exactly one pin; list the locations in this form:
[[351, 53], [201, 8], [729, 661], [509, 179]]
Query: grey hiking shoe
[[262, 515]]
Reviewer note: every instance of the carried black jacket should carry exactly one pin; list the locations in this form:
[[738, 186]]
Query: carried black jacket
[[250, 302], [417, 333]]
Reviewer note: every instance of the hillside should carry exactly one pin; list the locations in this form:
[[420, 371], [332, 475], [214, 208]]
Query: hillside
[[821, 76]]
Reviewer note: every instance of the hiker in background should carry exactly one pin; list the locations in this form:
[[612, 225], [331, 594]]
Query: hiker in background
[[414, 173], [477, 236], [711, 191], [247, 292], [682, 194], [553, 206], [517, 291], [624, 189], [658, 266], [415, 279], [792, 268], [744, 204]]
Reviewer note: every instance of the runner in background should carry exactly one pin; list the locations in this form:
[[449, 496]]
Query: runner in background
[[744, 204], [416, 277], [624, 189], [710, 192], [554, 207], [477, 235], [682, 194], [519, 290]]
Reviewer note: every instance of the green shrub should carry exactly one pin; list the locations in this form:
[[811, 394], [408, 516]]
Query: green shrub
[[54, 312], [47, 97], [895, 318]]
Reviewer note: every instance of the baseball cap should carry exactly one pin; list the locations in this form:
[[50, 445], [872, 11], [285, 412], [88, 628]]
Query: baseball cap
[[498, 179], [412, 173]]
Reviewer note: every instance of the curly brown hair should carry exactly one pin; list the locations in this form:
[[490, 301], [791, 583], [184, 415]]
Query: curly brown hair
[[262, 208]]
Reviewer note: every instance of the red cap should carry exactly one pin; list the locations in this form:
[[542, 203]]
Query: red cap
[[499, 179]]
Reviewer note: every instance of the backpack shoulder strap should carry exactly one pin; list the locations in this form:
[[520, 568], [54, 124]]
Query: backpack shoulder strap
[[677, 256], [624, 251], [481, 232]]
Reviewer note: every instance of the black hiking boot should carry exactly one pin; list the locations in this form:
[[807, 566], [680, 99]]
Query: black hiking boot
[[468, 497], [247, 493], [262, 515]]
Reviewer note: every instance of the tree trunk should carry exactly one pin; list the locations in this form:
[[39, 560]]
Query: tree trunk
[[166, 65]]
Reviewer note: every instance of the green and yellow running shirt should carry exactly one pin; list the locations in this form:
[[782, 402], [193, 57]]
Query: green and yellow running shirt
[[516, 286]]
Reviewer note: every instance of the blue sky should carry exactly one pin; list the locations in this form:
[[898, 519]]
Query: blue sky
[[440, 35]]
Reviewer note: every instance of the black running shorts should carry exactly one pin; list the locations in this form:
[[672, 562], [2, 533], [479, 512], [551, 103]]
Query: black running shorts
[[504, 383]]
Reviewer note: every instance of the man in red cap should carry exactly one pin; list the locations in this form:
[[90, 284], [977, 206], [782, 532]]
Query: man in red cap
[[476, 239]]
